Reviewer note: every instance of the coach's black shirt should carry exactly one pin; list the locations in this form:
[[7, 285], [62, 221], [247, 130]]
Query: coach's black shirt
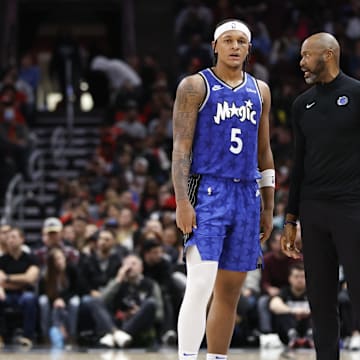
[[326, 123]]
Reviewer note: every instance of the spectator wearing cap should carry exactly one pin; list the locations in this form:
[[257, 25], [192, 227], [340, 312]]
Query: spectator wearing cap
[[52, 237]]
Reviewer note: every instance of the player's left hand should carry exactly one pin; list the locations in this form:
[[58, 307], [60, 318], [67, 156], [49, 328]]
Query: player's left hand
[[266, 224]]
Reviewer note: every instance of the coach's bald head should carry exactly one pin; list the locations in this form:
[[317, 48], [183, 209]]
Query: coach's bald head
[[320, 58], [324, 41]]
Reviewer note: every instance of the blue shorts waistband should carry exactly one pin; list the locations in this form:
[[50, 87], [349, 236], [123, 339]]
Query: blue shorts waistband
[[225, 179]]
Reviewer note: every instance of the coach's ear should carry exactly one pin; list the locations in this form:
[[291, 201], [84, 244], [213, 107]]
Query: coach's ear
[[329, 53]]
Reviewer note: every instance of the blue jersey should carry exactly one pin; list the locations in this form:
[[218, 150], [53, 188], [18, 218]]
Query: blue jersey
[[226, 134]]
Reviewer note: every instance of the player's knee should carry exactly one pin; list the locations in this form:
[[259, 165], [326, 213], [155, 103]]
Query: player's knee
[[201, 279]]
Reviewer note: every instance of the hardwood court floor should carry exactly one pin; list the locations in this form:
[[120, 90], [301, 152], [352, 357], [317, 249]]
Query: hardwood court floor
[[164, 354]]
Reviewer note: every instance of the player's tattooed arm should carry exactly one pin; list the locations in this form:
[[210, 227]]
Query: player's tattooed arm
[[189, 96]]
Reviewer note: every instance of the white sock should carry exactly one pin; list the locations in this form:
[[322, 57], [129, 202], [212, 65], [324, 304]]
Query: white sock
[[200, 282], [216, 357], [187, 356]]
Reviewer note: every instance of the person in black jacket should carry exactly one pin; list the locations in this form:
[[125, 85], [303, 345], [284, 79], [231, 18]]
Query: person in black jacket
[[96, 270], [128, 307], [102, 264], [325, 186]]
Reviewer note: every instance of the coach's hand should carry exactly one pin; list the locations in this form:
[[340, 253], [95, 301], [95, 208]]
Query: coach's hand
[[288, 245], [185, 216]]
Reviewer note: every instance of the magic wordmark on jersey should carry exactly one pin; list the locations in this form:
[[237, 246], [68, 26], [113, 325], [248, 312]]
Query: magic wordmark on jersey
[[244, 112]]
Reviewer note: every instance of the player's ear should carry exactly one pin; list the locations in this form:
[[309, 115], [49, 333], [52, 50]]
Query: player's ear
[[249, 50], [215, 54], [213, 45], [247, 58]]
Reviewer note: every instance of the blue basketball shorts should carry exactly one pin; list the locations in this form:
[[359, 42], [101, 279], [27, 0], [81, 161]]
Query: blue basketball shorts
[[228, 221]]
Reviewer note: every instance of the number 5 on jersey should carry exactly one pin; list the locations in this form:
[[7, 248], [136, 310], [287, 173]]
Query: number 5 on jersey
[[237, 143]]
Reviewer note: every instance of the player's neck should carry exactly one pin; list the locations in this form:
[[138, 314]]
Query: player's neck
[[231, 75]]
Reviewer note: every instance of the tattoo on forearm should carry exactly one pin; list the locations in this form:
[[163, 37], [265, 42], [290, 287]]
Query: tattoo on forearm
[[184, 126], [180, 174], [188, 98]]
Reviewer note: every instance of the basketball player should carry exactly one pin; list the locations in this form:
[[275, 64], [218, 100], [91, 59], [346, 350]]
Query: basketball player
[[221, 140], [325, 187]]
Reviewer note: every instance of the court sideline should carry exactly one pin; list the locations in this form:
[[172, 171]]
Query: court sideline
[[164, 354]]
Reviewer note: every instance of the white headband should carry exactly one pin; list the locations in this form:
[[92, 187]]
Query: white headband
[[232, 25]]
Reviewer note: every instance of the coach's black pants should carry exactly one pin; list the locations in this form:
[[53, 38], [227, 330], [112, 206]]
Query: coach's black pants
[[331, 235]]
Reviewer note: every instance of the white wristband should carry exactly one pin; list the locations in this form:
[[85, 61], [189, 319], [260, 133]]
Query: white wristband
[[267, 178]]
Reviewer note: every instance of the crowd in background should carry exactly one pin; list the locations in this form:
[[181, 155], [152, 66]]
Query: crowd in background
[[109, 269]]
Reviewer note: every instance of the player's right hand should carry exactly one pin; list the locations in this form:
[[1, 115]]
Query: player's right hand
[[185, 216]]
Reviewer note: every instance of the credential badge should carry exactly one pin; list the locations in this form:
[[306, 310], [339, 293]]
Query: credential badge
[[342, 100]]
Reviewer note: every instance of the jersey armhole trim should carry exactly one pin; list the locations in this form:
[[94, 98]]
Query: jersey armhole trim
[[259, 93], [207, 92]]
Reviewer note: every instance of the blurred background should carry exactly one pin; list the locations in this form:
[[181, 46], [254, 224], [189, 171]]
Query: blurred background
[[86, 95]]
